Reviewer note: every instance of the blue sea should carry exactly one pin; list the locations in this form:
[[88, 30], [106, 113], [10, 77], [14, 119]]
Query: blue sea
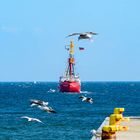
[[74, 119]]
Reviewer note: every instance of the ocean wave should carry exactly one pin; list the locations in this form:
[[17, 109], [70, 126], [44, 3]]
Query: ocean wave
[[87, 92]]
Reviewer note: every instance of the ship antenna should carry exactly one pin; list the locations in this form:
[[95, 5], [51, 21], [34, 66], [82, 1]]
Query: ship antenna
[[71, 51]]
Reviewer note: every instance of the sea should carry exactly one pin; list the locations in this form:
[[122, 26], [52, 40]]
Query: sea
[[73, 119]]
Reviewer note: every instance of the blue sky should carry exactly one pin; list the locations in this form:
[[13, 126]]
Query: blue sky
[[33, 35]]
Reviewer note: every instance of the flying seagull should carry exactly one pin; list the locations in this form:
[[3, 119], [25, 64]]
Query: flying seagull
[[51, 90], [47, 109], [31, 119], [86, 99], [42, 105], [85, 35], [34, 102]]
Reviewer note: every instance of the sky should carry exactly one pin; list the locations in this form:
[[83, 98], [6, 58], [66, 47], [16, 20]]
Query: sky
[[33, 38]]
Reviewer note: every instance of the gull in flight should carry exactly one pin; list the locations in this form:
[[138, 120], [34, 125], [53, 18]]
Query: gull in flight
[[85, 35], [42, 105], [51, 90], [86, 99], [34, 102], [95, 133], [47, 108], [31, 119]]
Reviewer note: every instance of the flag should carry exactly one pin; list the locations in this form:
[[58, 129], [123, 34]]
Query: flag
[[81, 48]]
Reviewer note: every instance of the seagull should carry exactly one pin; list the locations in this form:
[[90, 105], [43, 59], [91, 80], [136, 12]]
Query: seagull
[[95, 133], [47, 108], [31, 119], [86, 99], [51, 90], [34, 102], [85, 35]]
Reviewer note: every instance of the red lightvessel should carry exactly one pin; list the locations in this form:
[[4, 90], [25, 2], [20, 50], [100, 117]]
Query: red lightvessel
[[69, 81]]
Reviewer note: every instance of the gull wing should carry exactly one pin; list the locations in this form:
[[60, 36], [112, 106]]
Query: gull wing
[[73, 34], [26, 117], [35, 119], [91, 33], [81, 97], [52, 111], [37, 102], [34, 101]]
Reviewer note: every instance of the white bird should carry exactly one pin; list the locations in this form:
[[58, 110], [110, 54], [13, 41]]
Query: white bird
[[85, 35], [47, 108], [95, 133], [51, 90], [42, 105], [86, 99], [34, 102], [31, 119]]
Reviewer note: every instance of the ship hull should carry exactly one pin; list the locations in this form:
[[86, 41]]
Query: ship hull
[[68, 86]]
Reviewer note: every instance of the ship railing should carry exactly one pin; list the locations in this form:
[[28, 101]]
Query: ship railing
[[70, 78]]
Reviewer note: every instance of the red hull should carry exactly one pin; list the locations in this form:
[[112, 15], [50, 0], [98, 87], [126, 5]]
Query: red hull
[[68, 86]]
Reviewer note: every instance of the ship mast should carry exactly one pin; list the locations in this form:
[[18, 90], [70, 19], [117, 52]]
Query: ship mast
[[70, 70]]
